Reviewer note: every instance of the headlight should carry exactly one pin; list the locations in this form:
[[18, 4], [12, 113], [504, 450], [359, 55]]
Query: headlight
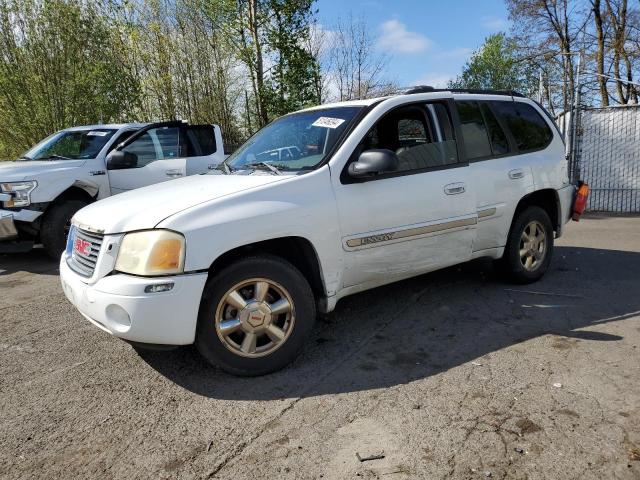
[[153, 252], [19, 191]]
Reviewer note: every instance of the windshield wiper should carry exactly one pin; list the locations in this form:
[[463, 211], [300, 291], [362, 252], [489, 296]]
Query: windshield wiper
[[56, 157], [270, 167]]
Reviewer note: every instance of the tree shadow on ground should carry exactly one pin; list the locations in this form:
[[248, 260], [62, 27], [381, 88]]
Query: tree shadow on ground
[[429, 324]]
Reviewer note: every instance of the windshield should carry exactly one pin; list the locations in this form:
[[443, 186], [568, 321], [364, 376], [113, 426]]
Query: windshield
[[295, 142], [71, 145]]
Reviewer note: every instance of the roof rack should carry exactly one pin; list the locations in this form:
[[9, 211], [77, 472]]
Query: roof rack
[[429, 89]]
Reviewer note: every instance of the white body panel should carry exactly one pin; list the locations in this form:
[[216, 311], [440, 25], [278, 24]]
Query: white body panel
[[152, 173], [363, 234]]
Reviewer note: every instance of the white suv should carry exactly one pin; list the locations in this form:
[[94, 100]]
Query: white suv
[[239, 261]]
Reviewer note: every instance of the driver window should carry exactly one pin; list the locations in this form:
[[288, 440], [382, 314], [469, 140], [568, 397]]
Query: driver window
[[143, 148], [155, 144], [419, 136]]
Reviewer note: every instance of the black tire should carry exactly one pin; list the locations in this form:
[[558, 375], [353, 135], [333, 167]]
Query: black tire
[[267, 267], [55, 226], [511, 263]]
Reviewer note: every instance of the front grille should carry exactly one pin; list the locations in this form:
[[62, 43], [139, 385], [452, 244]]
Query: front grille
[[85, 264]]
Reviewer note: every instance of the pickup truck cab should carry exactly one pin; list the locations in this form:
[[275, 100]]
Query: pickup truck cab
[[41, 191], [239, 261]]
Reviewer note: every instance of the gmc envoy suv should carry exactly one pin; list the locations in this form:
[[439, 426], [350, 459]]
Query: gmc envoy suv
[[359, 194]]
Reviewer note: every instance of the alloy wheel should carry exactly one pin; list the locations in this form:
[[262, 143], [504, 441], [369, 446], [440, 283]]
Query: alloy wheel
[[255, 317], [533, 246]]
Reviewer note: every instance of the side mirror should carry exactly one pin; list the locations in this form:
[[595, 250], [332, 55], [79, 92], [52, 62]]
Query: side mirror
[[374, 162], [119, 160]]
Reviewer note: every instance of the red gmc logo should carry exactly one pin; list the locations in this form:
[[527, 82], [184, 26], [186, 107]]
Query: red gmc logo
[[81, 246]]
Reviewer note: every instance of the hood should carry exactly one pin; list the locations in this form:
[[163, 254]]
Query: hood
[[145, 207], [34, 169]]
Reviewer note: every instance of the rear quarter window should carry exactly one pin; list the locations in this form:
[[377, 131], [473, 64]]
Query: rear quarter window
[[529, 130], [202, 140]]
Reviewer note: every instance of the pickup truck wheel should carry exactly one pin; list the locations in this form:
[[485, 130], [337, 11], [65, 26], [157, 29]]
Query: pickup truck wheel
[[255, 316], [55, 226], [530, 245]]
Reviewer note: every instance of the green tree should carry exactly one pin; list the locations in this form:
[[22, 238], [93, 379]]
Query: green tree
[[58, 68], [495, 66], [295, 75]]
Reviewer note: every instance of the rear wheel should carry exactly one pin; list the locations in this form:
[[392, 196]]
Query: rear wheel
[[55, 226], [529, 247], [255, 316]]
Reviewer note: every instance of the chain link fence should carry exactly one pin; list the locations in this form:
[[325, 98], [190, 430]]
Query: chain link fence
[[608, 157]]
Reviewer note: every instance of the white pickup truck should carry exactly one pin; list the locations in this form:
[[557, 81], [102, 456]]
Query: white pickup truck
[[239, 261], [40, 192]]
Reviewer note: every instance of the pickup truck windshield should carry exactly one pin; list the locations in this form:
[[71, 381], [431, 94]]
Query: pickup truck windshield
[[295, 142], [70, 145]]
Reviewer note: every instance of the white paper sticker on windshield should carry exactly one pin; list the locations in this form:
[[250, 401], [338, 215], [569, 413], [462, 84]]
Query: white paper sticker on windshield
[[96, 133], [328, 122]]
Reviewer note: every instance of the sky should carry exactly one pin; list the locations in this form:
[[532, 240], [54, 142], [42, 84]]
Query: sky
[[428, 40]]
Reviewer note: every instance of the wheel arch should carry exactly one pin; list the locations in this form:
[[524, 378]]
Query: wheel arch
[[78, 191], [548, 200], [299, 251]]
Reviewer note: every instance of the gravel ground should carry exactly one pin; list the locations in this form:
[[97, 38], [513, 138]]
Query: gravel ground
[[454, 374]]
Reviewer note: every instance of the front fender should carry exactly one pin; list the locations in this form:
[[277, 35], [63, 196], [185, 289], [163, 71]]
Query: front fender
[[303, 207]]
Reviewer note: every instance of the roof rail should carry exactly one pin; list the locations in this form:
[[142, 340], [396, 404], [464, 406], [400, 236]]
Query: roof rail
[[429, 89]]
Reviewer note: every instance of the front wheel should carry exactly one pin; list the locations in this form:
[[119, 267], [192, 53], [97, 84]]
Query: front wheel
[[529, 247], [255, 316], [55, 226]]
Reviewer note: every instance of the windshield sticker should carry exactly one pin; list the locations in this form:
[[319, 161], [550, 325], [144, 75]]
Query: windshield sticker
[[97, 133], [328, 122]]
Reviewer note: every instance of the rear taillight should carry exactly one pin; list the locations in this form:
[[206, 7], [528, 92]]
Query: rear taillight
[[580, 202]]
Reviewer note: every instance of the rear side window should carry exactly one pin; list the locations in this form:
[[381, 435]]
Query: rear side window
[[474, 130], [168, 139], [201, 140], [529, 130], [499, 142]]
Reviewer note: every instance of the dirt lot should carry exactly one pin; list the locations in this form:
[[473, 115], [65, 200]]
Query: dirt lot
[[455, 374]]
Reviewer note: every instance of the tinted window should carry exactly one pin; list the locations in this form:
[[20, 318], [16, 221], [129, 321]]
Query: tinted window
[[443, 121], [201, 140], [474, 131], [123, 136], [409, 131], [529, 129], [143, 148], [499, 143], [168, 140]]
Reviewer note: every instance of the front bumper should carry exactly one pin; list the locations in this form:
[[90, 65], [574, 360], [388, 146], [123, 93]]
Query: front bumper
[[119, 305], [8, 230]]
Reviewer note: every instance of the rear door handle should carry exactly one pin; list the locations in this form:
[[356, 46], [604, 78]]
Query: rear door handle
[[173, 173], [455, 188], [516, 173]]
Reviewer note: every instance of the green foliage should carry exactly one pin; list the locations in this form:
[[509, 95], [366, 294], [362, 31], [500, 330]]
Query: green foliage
[[74, 62], [494, 66], [58, 67], [293, 80]]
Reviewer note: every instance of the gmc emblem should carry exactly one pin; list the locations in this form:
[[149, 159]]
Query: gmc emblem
[[82, 246]]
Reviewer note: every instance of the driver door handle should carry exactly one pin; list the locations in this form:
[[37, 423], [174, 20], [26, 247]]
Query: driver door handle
[[455, 188], [516, 173], [173, 173]]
